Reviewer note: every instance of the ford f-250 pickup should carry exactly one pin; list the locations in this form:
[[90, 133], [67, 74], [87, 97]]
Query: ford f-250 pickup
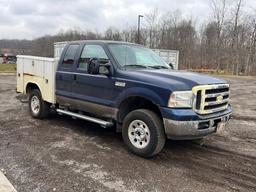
[[127, 86]]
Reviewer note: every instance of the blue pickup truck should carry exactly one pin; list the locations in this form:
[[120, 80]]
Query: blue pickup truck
[[130, 87]]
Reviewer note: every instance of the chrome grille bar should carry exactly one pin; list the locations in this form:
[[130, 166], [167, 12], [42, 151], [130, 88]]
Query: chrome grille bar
[[216, 102], [216, 94]]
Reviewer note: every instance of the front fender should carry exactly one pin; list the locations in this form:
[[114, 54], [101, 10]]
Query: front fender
[[141, 92]]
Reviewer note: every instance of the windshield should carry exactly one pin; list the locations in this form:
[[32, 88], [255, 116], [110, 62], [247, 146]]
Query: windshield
[[136, 56]]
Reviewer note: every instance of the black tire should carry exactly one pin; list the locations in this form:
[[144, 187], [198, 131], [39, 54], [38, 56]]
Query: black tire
[[156, 129], [44, 107]]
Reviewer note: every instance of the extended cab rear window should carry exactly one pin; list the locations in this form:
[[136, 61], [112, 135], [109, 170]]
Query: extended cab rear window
[[69, 57]]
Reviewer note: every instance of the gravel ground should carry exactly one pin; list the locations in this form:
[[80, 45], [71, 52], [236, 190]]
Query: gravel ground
[[62, 154]]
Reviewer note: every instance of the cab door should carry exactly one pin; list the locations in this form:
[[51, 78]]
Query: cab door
[[65, 72], [94, 91]]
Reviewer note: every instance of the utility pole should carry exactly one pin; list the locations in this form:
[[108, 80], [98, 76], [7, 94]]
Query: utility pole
[[138, 38]]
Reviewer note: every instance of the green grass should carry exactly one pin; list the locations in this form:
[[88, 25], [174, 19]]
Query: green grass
[[7, 67]]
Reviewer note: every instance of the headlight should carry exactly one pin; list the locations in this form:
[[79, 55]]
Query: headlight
[[181, 99]]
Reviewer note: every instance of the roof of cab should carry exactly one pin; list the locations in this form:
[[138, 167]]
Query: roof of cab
[[102, 42]]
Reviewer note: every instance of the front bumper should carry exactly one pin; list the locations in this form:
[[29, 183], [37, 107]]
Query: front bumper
[[192, 127]]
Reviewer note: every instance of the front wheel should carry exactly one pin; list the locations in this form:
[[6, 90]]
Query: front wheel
[[143, 133], [37, 106]]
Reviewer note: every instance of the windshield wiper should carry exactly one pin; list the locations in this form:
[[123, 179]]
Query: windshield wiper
[[136, 65], [159, 67]]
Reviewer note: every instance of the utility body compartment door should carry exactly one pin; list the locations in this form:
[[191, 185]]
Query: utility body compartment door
[[20, 79]]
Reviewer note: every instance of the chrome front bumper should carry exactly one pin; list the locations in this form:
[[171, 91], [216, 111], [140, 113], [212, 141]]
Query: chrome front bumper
[[185, 130]]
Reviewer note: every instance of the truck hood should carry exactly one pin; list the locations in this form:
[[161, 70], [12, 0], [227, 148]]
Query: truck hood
[[174, 79]]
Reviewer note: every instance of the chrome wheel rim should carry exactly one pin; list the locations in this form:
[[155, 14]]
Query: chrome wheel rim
[[139, 134], [35, 104]]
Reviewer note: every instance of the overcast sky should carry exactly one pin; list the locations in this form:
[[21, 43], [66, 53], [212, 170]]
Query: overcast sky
[[33, 18]]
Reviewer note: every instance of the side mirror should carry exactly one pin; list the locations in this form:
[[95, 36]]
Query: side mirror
[[94, 66], [105, 69], [171, 65]]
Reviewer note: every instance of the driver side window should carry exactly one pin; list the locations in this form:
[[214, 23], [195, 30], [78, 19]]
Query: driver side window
[[89, 52]]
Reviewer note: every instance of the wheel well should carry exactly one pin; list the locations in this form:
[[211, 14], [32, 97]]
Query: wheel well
[[30, 87], [133, 103]]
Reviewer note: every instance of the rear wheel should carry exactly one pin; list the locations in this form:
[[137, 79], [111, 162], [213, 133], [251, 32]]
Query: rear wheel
[[143, 133], [37, 106]]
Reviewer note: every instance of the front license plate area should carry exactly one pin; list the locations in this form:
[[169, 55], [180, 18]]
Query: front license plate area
[[221, 125]]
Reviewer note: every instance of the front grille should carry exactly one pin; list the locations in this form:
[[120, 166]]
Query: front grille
[[210, 98]]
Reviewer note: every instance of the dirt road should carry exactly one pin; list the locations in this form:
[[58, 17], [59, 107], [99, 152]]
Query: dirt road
[[62, 154]]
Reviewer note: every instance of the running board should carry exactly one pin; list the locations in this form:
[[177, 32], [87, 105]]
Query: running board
[[87, 118]]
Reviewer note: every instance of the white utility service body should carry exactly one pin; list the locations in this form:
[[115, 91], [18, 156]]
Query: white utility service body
[[40, 71]]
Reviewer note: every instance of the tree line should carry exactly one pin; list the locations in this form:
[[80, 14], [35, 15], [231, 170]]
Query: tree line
[[226, 41]]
